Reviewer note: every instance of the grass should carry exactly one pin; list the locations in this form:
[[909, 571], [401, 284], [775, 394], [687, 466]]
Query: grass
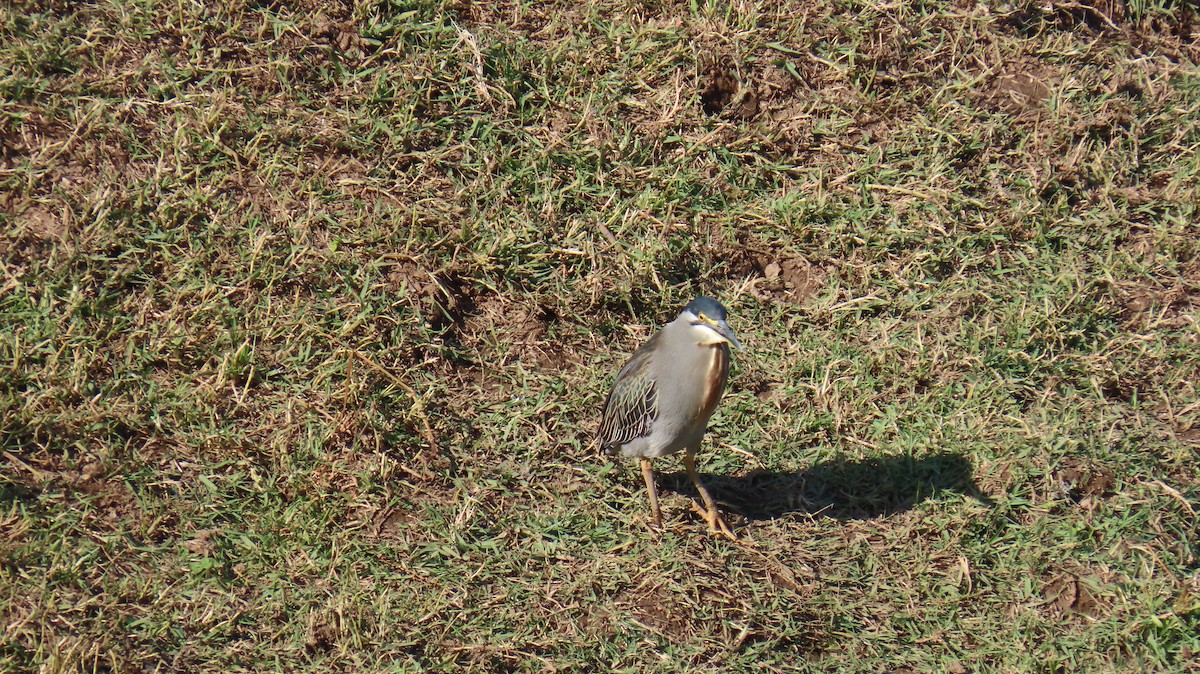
[[309, 309]]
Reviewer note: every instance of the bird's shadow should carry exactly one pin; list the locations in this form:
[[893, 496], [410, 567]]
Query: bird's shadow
[[838, 488]]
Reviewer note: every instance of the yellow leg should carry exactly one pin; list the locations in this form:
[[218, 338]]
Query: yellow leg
[[716, 523], [648, 475]]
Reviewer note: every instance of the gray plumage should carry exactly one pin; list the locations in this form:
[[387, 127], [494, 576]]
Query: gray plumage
[[659, 406], [662, 399]]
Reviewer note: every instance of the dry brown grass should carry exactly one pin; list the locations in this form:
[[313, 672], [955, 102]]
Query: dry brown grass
[[308, 310]]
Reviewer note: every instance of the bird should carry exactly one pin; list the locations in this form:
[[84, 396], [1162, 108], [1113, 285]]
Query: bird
[[662, 399]]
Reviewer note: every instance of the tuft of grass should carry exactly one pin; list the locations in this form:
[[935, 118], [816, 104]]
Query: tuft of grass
[[307, 312]]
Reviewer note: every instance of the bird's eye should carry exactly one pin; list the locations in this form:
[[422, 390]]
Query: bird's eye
[[703, 317]]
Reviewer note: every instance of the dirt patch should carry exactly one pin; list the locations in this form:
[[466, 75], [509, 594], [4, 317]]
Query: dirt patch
[[653, 607], [42, 224], [106, 501], [441, 298], [518, 322], [202, 543], [724, 93], [776, 274], [1168, 29], [791, 279], [1084, 483], [1019, 92], [39, 230], [1145, 304], [1066, 594], [769, 84], [763, 90], [1021, 88], [399, 522], [494, 326], [1190, 438], [337, 32], [1136, 303]]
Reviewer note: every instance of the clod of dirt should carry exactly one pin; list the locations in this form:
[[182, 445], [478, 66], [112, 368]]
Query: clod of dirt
[[792, 279]]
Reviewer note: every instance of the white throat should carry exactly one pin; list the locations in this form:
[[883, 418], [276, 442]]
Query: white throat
[[707, 336]]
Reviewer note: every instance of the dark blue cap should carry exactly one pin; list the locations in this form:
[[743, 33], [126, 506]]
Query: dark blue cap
[[709, 307]]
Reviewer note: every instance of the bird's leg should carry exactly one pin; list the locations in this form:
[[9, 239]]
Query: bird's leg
[[716, 523], [648, 475]]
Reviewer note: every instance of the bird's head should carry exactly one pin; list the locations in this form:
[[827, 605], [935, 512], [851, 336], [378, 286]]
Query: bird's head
[[707, 318]]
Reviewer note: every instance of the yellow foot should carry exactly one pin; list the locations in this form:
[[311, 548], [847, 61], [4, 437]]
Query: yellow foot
[[718, 526]]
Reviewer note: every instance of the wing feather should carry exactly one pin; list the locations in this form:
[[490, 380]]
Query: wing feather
[[632, 404]]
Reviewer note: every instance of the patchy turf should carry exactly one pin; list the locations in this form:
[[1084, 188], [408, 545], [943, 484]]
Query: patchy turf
[[308, 310]]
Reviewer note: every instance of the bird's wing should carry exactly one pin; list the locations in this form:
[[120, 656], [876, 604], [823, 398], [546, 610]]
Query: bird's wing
[[632, 405]]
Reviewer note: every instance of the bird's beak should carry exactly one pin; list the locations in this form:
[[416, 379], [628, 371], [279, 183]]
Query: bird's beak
[[725, 331]]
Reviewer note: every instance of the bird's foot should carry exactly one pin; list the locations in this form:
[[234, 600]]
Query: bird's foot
[[654, 524], [718, 526], [654, 520]]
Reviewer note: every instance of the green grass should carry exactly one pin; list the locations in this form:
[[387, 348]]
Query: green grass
[[308, 310]]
